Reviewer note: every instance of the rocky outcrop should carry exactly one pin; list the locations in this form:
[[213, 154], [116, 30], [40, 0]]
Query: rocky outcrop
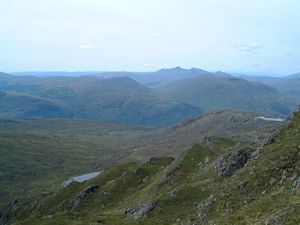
[[203, 208], [140, 210], [2, 218], [83, 195], [282, 216], [295, 185], [229, 163]]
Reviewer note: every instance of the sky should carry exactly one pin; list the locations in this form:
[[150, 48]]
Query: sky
[[247, 36]]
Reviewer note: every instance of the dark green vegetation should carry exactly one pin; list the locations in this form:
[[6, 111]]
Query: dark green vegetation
[[289, 85], [219, 90], [262, 187], [118, 99], [211, 169], [38, 154], [159, 98]]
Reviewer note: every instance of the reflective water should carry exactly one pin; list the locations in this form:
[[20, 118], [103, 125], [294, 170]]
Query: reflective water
[[81, 178]]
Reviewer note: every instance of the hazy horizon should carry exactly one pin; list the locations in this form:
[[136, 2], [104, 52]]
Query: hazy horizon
[[253, 37], [234, 73]]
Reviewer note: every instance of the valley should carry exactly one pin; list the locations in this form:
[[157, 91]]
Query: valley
[[219, 180], [119, 112], [59, 129]]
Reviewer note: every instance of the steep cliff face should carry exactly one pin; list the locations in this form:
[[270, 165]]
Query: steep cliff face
[[218, 181]]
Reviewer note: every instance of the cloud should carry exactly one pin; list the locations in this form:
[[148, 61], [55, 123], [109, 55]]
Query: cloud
[[87, 46], [148, 65], [250, 48]]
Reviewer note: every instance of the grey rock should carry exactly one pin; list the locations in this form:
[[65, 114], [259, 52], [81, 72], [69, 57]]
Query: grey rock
[[173, 194], [140, 210], [172, 171], [229, 163], [4, 217], [81, 196], [146, 161], [272, 181], [203, 208], [276, 220], [139, 171], [295, 185]]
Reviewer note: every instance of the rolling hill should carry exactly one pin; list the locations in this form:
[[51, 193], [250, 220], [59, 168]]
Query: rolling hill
[[289, 85], [243, 126], [151, 79], [38, 154], [16, 105], [118, 99], [218, 91], [108, 96], [217, 181]]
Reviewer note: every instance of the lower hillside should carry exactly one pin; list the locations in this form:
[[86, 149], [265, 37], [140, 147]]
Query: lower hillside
[[38, 154], [218, 181]]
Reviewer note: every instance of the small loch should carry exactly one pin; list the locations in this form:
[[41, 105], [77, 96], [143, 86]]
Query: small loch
[[81, 178], [270, 119]]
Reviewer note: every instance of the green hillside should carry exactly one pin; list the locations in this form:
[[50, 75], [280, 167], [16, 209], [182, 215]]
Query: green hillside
[[218, 181], [64, 148], [213, 91], [17, 105], [242, 125], [118, 99], [109, 96], [38, 154], [289, 85]]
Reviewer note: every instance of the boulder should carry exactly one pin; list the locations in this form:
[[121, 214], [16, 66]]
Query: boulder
[[295, 185], [81, 196], [229, 163], [140, 210], [203, 208]]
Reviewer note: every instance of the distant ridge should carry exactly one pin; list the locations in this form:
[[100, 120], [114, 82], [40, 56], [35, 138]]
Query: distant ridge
[[115, 99], [152, 79], [219, 90], [297, 75]]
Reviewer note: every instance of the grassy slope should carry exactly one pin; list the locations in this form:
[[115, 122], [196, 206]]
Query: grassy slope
[[31, 162], [39, 154], [227, 123], [55, 144], [260, 191]]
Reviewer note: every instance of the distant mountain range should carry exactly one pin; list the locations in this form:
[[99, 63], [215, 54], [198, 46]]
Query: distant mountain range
[[158, 98], [151, 79], [118, 99], [289, 85], [219, 90]]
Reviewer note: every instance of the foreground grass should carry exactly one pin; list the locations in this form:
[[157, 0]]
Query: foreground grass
[[187, 190]]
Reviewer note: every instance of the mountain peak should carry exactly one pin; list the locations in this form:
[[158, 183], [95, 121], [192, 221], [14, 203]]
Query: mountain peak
[[296, 75], [3, 74], [175, 69], [222, 74], [179, 69]]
